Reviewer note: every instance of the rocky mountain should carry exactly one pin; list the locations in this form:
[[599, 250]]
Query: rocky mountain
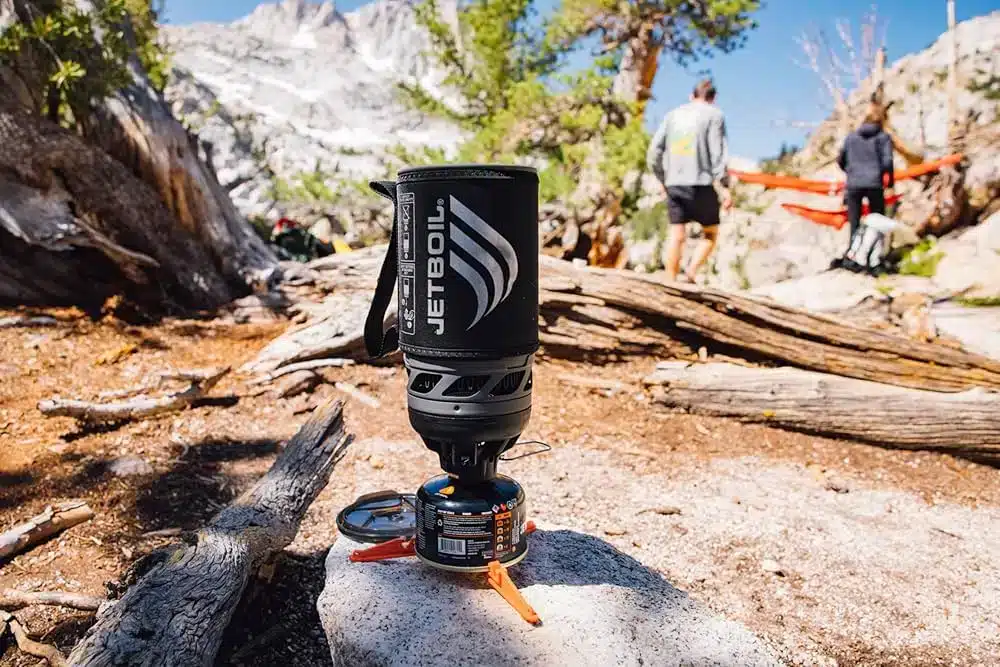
[[296, 85]]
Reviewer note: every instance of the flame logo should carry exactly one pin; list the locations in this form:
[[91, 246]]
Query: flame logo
[[489, 265]]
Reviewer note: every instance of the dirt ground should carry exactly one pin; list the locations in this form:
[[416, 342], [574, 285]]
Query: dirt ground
[[835, 552]]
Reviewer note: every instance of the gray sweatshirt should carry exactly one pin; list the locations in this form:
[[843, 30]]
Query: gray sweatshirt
[[690, 147]]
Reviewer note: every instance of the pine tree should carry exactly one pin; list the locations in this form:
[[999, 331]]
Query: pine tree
[[509, 89], [636, 33]]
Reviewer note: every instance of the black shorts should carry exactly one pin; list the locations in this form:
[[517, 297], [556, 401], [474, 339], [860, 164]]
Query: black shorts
[[693, 203]]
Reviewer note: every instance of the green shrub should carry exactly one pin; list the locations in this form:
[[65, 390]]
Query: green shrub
[[82, 56], [648, 223], [922, 259]]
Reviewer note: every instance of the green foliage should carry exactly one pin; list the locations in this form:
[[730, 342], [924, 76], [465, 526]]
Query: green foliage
[[686, 30], [501, 57], [988, 86], [922, 259], [648, 223], [783, 162], [511, 92], [739, 267], [152, 53], [318, 187], [980, 301], [883, 287], [77, 66]]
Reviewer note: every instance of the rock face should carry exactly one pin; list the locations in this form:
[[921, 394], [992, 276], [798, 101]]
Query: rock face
[[918, 85], [763, 243], [301, 85], [598, 607]]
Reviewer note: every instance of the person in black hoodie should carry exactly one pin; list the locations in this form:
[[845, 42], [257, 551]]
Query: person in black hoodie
[[866, 158]]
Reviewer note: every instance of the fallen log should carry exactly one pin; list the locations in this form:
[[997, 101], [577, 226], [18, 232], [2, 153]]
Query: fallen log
[[12, 600], [762, 329], [176, 612], [51, 522], [830, 405], [141, 407], [587, 312]]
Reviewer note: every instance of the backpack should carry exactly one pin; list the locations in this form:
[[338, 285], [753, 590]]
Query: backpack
[[870, 245]]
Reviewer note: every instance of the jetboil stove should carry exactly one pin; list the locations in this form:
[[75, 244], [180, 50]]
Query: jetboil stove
[[463, 259]]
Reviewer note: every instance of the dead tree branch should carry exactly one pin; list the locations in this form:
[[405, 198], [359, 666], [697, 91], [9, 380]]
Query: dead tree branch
[[141, 407], [54, 520], [12, 600], [48, 653]]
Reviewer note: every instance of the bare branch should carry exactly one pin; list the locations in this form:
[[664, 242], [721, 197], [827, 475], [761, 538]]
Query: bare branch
[[54, 520], [142, 407], [12, 600], [48, 653]]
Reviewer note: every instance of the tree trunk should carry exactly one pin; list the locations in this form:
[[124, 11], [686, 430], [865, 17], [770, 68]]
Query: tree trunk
[[177, 611], [77, 227], [953, 121], [137, 127], [143, 217], [586, 312], [831, 405], [637, 71]]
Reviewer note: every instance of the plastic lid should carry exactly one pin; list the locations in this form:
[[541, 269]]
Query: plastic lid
[[379, 517]]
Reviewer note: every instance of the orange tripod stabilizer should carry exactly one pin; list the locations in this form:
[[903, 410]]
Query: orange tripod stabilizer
[[401, 547], [496, 576]]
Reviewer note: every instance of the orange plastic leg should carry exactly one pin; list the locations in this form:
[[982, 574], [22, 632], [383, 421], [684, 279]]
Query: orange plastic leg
[[502, 584], [529, 528], [400, 547]]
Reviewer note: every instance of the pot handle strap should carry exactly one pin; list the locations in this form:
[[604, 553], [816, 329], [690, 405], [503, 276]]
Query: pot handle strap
[[379, 341]]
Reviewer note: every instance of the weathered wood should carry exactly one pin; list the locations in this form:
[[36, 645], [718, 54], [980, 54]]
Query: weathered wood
[[128, 208], [357, 394], [176, 612], [759, 328], [51, 522], [135, 125], [11, 600], [77, 227], [141, 407], [587, 312], [831, 405], [313, 365]]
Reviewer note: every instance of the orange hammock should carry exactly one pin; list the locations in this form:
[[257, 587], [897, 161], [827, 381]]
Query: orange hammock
[[835, 219], [836, 187]]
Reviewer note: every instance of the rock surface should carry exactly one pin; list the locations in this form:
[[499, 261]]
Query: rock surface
[[598, 606]]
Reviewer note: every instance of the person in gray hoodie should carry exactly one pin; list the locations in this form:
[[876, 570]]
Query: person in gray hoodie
[[688, 155]]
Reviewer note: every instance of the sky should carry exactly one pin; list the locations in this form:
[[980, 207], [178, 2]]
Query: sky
[[761, 88]]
